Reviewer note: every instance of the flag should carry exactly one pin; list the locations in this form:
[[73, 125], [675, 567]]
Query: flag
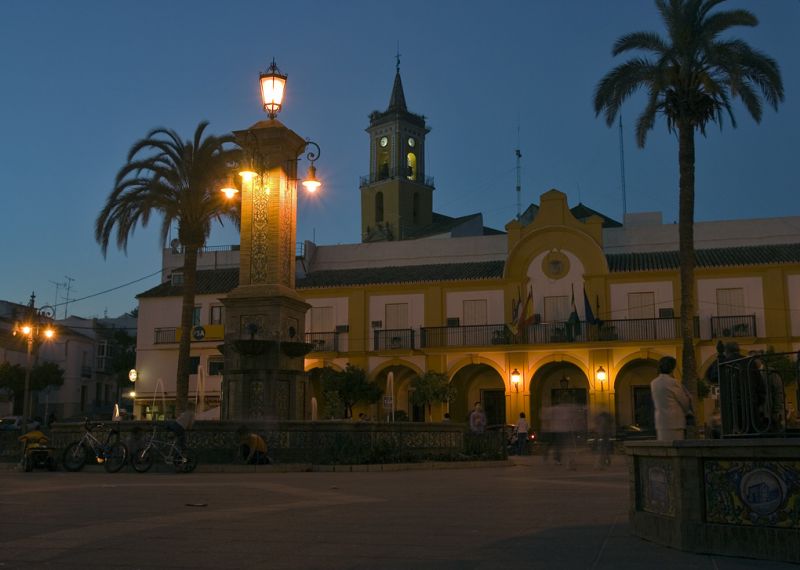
[[526, 315], [573, 328], [587, 308], [515, 306]]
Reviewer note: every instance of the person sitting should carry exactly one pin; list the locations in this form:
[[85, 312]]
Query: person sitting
[[252, 447]]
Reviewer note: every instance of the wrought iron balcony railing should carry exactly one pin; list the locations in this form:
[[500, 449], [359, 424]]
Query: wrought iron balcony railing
[[323, 341], [733, 326], [471, 335], [166, 335], [393, 338], [555, 332], [392, 174]]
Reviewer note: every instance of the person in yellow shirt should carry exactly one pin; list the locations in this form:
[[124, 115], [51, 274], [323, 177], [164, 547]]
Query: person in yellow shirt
[[252, 447]]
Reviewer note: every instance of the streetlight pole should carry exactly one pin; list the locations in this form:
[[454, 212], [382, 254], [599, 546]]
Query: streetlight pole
[[264, 376], [31, 330]]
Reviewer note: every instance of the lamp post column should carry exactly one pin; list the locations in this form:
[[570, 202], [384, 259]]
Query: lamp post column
[[26, 394]]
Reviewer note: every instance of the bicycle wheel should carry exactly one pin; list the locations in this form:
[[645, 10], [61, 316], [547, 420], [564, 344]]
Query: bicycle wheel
[[115, 456], [74, 456], [142, 460], [186, 462]]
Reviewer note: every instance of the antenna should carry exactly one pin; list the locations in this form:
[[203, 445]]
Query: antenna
[[58, 285], [66, 295], [519, 173], [622, 171]]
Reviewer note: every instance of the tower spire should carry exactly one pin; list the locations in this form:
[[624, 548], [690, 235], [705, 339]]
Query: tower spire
[[397, 102]]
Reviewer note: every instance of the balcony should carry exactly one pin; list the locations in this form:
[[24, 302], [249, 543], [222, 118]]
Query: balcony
[[166, 336], [471, 335], [733, 326], [393, 174], [323, 341], [393, 339], [557, 332]]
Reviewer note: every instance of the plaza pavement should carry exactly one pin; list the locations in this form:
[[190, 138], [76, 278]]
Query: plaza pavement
[[518, 514]]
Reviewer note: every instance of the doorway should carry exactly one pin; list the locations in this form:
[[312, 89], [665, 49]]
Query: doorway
[[494, 404]]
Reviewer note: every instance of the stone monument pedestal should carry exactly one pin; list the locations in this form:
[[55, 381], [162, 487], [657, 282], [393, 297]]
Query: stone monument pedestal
[[264, 355]]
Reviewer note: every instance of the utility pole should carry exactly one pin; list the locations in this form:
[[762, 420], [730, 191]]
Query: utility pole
[[66, 296]]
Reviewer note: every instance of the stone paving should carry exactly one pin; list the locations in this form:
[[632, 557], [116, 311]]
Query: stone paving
[[519, 514]]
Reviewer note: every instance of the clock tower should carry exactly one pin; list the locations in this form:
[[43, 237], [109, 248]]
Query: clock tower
[[396, 195]]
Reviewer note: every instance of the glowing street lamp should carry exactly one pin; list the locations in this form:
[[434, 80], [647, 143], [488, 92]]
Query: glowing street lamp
[[601, 377], [273, 83], [516, 377]]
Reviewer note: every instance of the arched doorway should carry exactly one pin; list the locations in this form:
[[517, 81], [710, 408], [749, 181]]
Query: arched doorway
[[634, 405], [403, 408], [479, 383], [558, 383]]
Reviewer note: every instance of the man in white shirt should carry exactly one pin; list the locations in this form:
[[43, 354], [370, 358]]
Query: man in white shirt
[[672, 402]]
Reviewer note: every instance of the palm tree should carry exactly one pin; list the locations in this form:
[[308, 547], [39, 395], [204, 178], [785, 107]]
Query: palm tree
[[179, 181], [691, 78]]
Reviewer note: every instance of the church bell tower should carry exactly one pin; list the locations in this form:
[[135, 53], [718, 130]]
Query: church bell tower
[[396, 196]]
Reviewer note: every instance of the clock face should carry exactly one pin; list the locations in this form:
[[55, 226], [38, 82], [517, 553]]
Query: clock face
[[411, 142], [384, 141]]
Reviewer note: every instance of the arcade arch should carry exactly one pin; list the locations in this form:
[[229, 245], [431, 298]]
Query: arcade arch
[[555, 383], [479, 383]]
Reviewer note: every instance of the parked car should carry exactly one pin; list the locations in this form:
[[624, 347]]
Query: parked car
[[14, 423]]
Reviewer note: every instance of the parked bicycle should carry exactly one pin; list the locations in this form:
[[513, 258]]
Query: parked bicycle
[[112, 454], [157, 447]]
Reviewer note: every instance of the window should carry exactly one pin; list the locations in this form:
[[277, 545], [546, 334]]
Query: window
[[475, 312], [194, 364], [215, 366], [177, 278], [379, 207], [217, 315], [730, 302], [642, 305], [412, 166], [322, 319], [196, 316], [556, 309], [396, 316]]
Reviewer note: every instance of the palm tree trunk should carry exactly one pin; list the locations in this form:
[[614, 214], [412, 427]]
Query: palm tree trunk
[[686, 256], [187, 310]]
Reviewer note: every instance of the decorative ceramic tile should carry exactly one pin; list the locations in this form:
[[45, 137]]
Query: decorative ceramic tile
[[753, 492], [655, 490]]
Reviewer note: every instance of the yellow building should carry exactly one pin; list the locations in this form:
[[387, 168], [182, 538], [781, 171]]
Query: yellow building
[[565, 304]]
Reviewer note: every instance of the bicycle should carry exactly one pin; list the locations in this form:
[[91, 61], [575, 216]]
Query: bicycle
[[183, 460], [112, 455]]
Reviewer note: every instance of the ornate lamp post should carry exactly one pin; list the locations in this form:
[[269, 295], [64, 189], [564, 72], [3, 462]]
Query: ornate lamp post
[[35, 328], [264, 346]]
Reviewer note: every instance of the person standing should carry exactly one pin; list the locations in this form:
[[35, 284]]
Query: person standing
[[672, 402], [522, 434], [477, 419]]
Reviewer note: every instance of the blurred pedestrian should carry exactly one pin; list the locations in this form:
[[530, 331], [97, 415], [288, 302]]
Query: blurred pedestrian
[[477, 419], [604, 428], [522, 434]]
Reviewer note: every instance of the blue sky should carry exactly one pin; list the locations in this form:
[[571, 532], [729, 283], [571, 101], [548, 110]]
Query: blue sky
[[83, 80]]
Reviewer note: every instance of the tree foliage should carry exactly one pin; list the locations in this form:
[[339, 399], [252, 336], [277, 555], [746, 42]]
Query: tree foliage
[[178, 181], [691, 77], [431, 388], [350, 387], [44, 375]]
